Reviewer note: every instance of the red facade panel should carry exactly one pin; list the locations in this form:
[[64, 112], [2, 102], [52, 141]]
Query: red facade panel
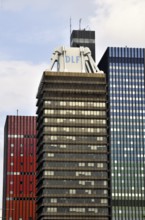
[[19, 188]]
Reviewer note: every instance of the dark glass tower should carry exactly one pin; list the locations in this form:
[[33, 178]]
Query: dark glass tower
[[83, 38], [73, 152], [126, 91], [19, 186]]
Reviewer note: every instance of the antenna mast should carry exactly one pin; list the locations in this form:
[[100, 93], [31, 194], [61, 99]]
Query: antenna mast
[[80, 23], [70, 30]]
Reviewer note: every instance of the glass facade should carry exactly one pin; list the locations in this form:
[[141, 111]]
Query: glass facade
[[73, 152], [126, 95]]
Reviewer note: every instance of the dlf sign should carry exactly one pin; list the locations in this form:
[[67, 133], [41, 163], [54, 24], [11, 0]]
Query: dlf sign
[[68, 59], [72, 59]]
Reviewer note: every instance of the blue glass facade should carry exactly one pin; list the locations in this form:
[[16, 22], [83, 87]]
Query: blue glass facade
[[126, 101]]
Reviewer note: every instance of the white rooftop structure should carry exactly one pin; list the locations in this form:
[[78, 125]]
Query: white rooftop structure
[[74, 59]]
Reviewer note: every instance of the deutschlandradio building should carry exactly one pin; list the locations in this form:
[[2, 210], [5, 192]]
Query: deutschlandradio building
[[73, 156]]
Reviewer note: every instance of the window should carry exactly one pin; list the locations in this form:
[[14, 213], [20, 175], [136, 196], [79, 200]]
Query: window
[[77, 209], [82, 182], [105, 183], [88, 191], [81, 164], [100, 165], [62, 146], [50, 155], [90, 164], [52, 209], [53, 200], [49, 173], [104, 201], [105, 192], [72, 191], [83, 173], [93, 210]]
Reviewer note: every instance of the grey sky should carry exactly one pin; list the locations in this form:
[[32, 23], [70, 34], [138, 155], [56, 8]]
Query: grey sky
[[31, 29]]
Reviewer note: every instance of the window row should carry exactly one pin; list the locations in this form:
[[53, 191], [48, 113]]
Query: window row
[[21, 182], [74, 182], [21, 173], [126, 98], [76, 210], [74, 138], [71, 164], [21, 163], [127, 174], [128, 194], [93, 192], [73, 200], [22, 145], [10, 218], [74, 112], [75, 121], [74, 147], [75, 129], [125, 67], [21, 136], [80, 156], [137, 117], [20, 192], [21, 154], [74, 104], [75, 173]]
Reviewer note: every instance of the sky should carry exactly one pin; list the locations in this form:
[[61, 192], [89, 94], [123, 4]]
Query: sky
[[30, 30]]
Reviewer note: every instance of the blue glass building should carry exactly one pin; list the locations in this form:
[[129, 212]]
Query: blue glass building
[[125, 69]]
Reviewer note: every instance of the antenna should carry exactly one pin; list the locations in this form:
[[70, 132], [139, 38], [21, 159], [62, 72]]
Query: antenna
[[1, 4], [80, 23], [17, 112], [70, 30], [87, 27]]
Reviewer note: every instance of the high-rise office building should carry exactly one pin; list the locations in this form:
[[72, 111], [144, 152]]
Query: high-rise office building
[[85, 38], [19, 186], [73, 173], [125, 72]]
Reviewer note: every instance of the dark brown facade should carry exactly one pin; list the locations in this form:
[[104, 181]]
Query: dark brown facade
[[73, 178], [19, 188]]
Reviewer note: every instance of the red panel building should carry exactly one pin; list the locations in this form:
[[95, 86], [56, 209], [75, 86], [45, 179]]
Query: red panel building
[[19, 186]]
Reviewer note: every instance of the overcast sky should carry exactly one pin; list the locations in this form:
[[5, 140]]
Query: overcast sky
[[31, 29]]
